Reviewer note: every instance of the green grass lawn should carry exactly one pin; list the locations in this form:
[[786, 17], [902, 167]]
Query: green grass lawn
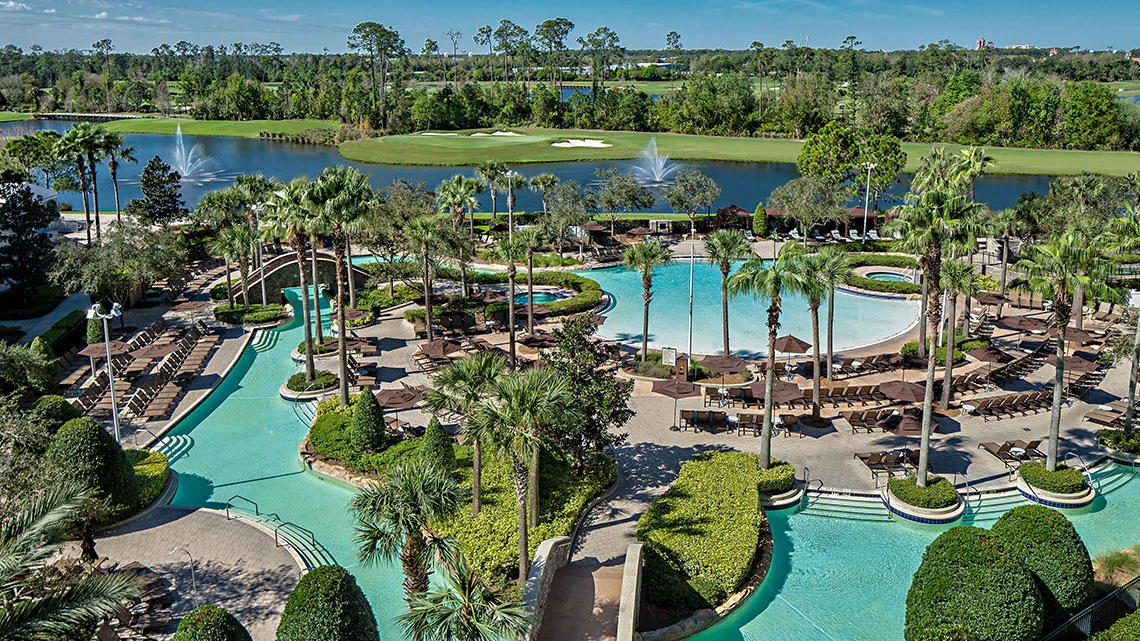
[[10, 116], [1126, 87], [239, 129], [535, 146]]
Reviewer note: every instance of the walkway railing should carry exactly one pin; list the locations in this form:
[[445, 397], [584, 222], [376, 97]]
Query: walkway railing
[[1100, 615], [229, 503], [1084, 468]]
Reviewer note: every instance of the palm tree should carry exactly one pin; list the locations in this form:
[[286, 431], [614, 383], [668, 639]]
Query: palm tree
[[232, 243], [343, 196], [517, 406], [220, 246], [767, 280], [972, 163], [113, 149], [459, 388], [936, 170], [490, 172], [932, 223], [253, 190], [811, 284], [645, 257], [287, 217], [959, 279], [545, 184], [511, 252], [1089, 233], [1126, 231], [531, 238], [464, 608], [834, 271], [91, 142], [451, 197], [425, 236], [71, 146], [724, 247], [1006, 224], [1053, 270], [69, 608], [397, 514]]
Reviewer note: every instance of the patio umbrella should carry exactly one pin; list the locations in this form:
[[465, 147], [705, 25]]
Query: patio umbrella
[[988, 354], [675, 390], [722, 364], [639, 231], [791, 345], [1074, 335], [398, 399], [594, 227], [542, 311], [350, 343], [487, 297], [1025, 323], [1075, 363], [441, 348], [782, 391], [990, 298], [191, 306], [96, 350], [903, 391], [148, 352], [351, 314], [903, 424]]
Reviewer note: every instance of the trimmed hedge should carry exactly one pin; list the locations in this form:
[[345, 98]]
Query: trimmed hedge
[[938, 493], [65, 331], [367, 431], [1050, 548], [151, 472], [911, 349], [256, 314], [1066, 480], [321, 380], [41, 299], [1121, 440], [52, 370], [84, 452], [777, 479], [327, 605], [589, 292], [1126, 629], [703, 532], [54, 410], [884, 286], [879, 260], [210, 623], [969, 586]]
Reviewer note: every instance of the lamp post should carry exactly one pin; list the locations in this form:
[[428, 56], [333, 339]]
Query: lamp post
[[116, 311], [193, 576], [260, 258], [867, 198], [692, 262], [511, 175]]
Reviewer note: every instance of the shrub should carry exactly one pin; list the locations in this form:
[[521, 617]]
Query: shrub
[[760, 221], [777, 479], [221, 291], [327, 605], [1065, 480], [704, 530], [1121, 440], [911, 349], [969, 583], [240, 316], [878, 260], [54, 410], [210, 623], [363, 321], [65, 330], [40, 300], [1126, 629], [52, 372], [321, 380], [328, 436], [367, 432], [84, 452], [379, 298], [1050, 548], [151, 472], [937, 494], [318, 348], [884, 286], [95, 328], [332, 405], [437, 446]]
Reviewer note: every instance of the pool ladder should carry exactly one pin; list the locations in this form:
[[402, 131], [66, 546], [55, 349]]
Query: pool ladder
[[286, 534]]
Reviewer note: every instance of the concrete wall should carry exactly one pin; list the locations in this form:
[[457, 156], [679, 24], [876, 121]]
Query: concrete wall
[[551, 555], [630, 595]]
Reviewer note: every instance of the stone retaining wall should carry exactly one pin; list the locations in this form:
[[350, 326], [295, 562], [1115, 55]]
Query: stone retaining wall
[[551, 555]]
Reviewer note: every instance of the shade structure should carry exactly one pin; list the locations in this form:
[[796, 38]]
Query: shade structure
[[399, 399], [350, 343], [191, 306], [539, 341], [905, 424], [722, 363], [148, 352], [542, 311], [782, 391], [595, 227], [441, 348], [1025, 323], [990, 298], [791, 345], [903, 391], [675, 390], [436, 299], [95, 350], [989, 354], [639, 231]]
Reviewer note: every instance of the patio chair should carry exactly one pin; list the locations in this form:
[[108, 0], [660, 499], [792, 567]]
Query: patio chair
[[836, 236], [686, 419], [1001, 452], [854, 235], [795, 235], [873, 235], [790, 423]]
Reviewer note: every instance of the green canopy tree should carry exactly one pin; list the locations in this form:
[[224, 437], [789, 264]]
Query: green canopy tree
[[161, 201]]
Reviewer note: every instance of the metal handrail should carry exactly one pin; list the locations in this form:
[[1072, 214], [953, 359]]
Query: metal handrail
[[256, 510], [1084, 468], [277, 540], [1073, 621]]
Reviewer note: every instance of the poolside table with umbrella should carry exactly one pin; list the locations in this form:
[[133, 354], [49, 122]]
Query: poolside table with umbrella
[[791, 345], [989, 354], [675, 390], [903, 392], [782, 391], [640, 231], [440, 348], [399, 399], [1078, 364], [1025, 324], [722, 364], [990, 298], [99, 350]]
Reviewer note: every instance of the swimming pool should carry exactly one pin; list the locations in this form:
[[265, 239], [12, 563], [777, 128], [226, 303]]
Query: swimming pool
[[859, 320], [539, 298], [891, 277]]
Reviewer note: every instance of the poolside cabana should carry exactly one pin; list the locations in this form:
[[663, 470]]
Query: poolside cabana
[[733, 217]]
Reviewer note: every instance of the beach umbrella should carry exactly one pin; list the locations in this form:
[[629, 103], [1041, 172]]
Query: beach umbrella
[[542, 311], [595, 227], [639, 231], [990, 298], [1076, 363], [722, 364], [398, 399], [902, 424], [903, 391], [441, 348], [675, 390], [487, 297], [782, 391], [96, 350], [1074, 335], [791, 345], [1025, 323], [350, 343], [989, 354], [352, 313], [154, 351]]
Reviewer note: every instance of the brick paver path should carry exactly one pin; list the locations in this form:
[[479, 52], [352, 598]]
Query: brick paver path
[[237, 566]]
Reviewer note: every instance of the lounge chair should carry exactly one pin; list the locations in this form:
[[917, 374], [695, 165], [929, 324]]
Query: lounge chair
[[873, 235], [1107, 418], [1030, 448], [795, 235], [854, 235], [836, 236], [1001, 452]]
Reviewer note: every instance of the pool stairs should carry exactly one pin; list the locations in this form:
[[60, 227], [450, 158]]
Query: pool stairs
[[174, 446], [285, 533], [265, 341]]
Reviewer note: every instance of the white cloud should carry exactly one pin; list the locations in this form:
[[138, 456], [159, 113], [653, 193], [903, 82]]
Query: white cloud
[[102, 15], [142, 20], [49, 10], [283, 17], [12, 5]]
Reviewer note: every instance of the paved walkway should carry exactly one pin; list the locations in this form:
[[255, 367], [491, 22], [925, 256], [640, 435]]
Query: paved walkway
[[236, 565], [587, 605], [33, 327]]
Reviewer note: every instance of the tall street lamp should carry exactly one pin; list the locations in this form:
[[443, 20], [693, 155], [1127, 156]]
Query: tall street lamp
[[692, 263], [867, 198], [510, 175], [92, 314]]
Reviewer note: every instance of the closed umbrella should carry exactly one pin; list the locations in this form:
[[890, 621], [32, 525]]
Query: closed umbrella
[[675, 390], [154, 351], [903, 391]]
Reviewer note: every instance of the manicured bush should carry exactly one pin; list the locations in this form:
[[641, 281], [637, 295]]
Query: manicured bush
[[84, 452], [437, 446], [937, 494], [210, 623], [1066, 480], [777, 479], [1050, 548], [363, 321], [760, 221], [327, 605], [221, 291], [328, 436], [970, 583], [1126, 629], [704, 529], [332, 405], [255, 315], [41, 347], [151, 472], [379, 299], [321, 380], [367, 432], [95, 328], [911, 349], [318, 348], [1121, 440], [878, 260], [884, 286], [54, 410]]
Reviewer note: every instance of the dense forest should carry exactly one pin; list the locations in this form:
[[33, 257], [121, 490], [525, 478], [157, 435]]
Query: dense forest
[[940, 92]]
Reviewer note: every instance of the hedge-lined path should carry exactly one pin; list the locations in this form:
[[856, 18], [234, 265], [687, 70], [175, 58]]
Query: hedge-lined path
[[33, 327], [236, 566]]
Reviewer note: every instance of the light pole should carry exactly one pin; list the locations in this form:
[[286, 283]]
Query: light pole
[[692, 262], [260, 258], [116, 311], [867, 198], [193, 576], [511, 175]]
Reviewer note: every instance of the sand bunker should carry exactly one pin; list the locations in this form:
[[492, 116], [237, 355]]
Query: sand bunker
[[436, 133], [495, 133], [586, 142]]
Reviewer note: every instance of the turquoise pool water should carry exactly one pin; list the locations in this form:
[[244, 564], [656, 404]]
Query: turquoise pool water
[[891, 277], [859, 320], [539, 298]]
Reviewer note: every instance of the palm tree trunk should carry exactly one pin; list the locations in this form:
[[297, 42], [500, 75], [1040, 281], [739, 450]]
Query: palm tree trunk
[[95, 194], [319, 334], [494, 206], [815, 366], [769, 390], [79, 164], [922, 313], [463, 279], [243, 272], [341, 340], [830, 331], [351, 278], [115, 187], [948, 377], [427, 295], [519, 470], [1132, 370], [532, 487], [411, 558], [1058, 397], [927, 417], [1004, 264], [530, 292], [310, 369], [229, 282], [647, 296], [1079, 306], [476, 476], [511, 311], [724, 306]]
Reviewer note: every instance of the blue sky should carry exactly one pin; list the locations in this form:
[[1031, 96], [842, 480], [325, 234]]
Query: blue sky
[[312, 25]]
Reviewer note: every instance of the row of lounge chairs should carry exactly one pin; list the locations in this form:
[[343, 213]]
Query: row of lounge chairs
[[1014, 453], [714, 420], [889, 462], [1105, 313], [1009, 405], [1023, 365], [869, 365], [1109, 415], [158, 396], [836, 236], [869, 420]]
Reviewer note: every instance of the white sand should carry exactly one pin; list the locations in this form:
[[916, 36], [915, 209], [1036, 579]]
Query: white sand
[[495, 133], [587, 142], [436, 133]]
